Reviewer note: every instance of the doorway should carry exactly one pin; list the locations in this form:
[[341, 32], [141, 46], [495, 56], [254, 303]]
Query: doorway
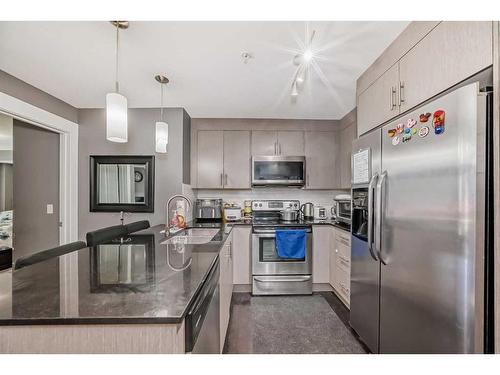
[[36, 189]]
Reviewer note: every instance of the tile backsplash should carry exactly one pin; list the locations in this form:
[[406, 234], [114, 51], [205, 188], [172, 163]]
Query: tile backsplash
[[317, 197]]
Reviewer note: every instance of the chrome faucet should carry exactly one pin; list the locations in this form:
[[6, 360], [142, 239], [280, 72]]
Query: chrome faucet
[[167, 225]]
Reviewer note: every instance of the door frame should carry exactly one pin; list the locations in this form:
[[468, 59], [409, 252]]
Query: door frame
[[68, 158]]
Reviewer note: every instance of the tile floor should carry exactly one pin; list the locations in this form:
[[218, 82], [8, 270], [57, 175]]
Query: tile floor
[[290, 325]]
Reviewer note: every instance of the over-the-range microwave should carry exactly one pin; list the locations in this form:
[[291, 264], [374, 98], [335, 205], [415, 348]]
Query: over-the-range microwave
[[278, 171]]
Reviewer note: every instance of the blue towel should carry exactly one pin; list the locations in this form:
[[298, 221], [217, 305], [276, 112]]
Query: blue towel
[[291, 243]]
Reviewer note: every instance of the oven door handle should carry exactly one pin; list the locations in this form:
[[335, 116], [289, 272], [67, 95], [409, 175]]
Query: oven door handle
[[265, 234], [271, 279]]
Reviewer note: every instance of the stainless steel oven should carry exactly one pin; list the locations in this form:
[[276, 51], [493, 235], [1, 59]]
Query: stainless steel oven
[[278, 170], [275, 275]]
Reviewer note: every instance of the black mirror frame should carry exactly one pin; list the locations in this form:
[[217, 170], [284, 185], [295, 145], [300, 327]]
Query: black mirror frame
[[148, 206]]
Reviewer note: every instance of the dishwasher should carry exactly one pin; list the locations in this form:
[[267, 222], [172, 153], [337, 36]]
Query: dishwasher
[[203, 317]]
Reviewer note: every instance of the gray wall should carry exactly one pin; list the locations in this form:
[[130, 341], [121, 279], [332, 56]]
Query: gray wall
[[169, 168], [36, 184], [13, 86]]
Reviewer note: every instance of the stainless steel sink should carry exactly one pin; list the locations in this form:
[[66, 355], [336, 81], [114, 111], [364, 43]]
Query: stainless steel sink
[[192, 236]]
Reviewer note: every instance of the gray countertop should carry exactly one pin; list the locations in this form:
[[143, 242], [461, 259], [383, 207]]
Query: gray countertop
[[142, 281]]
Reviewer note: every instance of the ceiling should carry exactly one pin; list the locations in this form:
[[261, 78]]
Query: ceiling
[[75, 62]]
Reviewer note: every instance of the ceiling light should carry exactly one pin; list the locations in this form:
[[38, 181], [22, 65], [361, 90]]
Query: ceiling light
[[308, 55], [161, 130], [295, 92], [300, 75], [116, 104]]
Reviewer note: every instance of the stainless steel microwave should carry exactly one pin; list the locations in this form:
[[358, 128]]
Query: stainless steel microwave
[[278, 170]]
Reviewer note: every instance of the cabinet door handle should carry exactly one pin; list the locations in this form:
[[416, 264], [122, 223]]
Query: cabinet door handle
[[279, 148], [393, 98], [222, 180], [225, 179], [401, 92]]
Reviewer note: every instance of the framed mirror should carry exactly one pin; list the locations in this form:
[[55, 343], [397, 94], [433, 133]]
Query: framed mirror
[[121, 183]]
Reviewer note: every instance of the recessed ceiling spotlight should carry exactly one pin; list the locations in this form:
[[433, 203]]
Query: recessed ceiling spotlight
[[246, 56]]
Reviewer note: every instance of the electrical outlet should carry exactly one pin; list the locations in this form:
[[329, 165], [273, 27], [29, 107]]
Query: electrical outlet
[[50, 209]]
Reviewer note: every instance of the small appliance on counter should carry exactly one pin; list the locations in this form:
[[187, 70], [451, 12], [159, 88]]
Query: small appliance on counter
[[208, 209], [341, 210], [307, 211], [320, 213], [232, 213]]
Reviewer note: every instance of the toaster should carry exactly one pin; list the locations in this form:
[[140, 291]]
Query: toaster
[[232, 213]]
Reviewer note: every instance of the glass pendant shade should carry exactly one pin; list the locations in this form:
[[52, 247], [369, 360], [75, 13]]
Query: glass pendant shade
[[161, 137], [116, 118]]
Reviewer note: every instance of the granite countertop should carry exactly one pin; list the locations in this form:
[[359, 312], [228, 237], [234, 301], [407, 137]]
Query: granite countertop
[[141, 281], [334, 223]]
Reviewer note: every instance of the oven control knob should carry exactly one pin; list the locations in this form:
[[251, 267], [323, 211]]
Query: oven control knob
[[260, 204], [295, 205]]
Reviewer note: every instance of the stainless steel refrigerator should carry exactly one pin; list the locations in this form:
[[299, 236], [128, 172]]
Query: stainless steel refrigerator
[[420, 278]]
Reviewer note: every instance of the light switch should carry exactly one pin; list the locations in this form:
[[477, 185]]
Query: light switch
[[50, 209]]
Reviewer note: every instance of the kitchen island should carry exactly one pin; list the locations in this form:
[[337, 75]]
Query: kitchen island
[[125, 296]]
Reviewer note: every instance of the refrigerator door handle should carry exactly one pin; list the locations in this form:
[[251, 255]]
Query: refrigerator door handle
[[378, 221], [371, 214]]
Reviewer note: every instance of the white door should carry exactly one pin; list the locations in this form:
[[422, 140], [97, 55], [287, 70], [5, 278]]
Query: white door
[[322, 153], [237, 159], [210, 159], [264, 143], [452, 52], [378, 103], [291, 143]]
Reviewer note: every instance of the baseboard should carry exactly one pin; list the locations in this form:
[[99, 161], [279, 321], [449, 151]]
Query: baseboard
[[320, 287]]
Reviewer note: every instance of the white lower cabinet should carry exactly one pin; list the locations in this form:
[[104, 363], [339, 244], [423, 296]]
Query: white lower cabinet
[[322, 238], [340, 264], [225, 287], [242, 256]]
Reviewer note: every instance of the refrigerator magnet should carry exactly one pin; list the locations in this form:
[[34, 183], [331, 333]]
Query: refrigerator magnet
[[400, 127], [407, 131], [411, 123], [396, 140], [391, 132], [413, 131], [424, 117], [423, 131], [406, 137], [438, 122]]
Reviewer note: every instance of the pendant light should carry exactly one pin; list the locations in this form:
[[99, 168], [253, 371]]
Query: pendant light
[[116, 104], [161, 135]]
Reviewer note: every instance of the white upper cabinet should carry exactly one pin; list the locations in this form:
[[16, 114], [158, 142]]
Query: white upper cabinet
[[223, 159], [291, 143], [452, 52], [277, 143], [322, 154], [379, 102], [264, 143], [210, 159], [236, 159]]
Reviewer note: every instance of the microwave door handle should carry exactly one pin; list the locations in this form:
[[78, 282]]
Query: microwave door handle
[[371, 214], [378, 222]]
